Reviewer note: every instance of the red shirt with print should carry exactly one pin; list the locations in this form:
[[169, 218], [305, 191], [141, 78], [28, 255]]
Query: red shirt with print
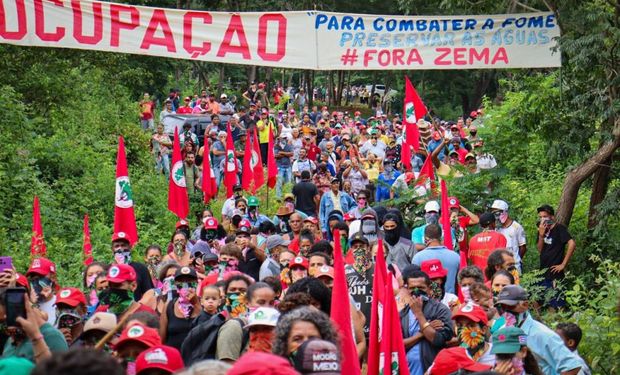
[[482, 245]]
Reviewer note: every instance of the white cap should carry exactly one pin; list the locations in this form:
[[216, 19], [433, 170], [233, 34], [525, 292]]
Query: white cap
[[431, 206], [499, 204], [263, 316]]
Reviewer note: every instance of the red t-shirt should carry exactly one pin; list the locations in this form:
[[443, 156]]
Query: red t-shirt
[[146, 109], [313, 152], [184, 109], [464, 223], [482, 245]]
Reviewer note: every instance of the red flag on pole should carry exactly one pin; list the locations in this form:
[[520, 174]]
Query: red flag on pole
[[386, 338], [178, 201], [246, 177], [37, 244], [445, 217], [257, 167], [88, 248], [230, 166], [124, 217], [209, 184], [414, 109], [426, 178], [341, 312], [272, 168]]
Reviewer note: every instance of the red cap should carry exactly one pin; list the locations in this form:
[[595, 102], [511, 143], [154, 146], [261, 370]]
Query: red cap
[[298, 261], [120, 236], [161, 357], [325, 271], [409, 176], [471, 312], [451, 360], [210, 223], [265, 111], [182, 223], [436, 136], [41, 266], [270, 364], [120, 273], [453, 202], [21, 280], [312, 219], [71, 296], [142, 334], [473, 114], [357, 113], [433, 268]]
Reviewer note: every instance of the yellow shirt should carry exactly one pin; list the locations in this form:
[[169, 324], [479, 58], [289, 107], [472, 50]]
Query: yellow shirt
[[263, 131]]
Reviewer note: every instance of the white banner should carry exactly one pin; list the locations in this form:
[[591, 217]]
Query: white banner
[[299, 40]]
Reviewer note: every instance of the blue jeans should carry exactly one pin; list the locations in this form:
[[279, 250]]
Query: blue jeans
[[219, 175], [285, 175], [163, 164]]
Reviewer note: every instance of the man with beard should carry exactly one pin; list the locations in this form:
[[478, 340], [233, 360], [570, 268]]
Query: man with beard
[[400, 250], [122, 255], [360, 277]]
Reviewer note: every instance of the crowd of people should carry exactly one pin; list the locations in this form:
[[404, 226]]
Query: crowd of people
[[244, 293]]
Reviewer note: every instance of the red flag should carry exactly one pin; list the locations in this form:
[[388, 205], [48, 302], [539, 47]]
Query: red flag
[[124, 217], [341, 312], [88, 248], [445, 217], [37, 244], [386, 339], [414, 109], [246, 178], [209, 185], [178, 201], [257, 165], [230, 166], [272, 168], [426, 178]]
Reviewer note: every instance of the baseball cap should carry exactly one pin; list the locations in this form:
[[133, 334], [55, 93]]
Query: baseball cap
[[41, 266], [433, 268], [139, 333], [469, 156], [499, 204], [511, 295], [276, 240], [100, 321], [237, 187], [244, 227], [70, 296], [185, 272], [325, 270], [210, 257], [120, 273], [263, 316], [237, 212], [298, 261], [120, 236], [258, 363], [210, 223], [431, 206], [317, 357], [472, 312], [289, 196], [451, 360], [508, 340], [265, 111], [253, 202], [223, 96], [453, 202], [358, 237], [546, 208], [486, 219], [311, 219], [161, 357], [182, 223]]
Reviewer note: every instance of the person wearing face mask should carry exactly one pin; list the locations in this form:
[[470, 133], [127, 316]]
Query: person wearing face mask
[[122, 255], [274, 244], [209, 234], [134, 340], [501, 259], [437, 274], [261, 326], [42, 279], [552, 355], [176, 322], [514, 232], [252, 214], [283, 152], [70, 312], [431, 216], [386, 179], [180, 253], [484, 243], [360, 276], [368, 224], [335, 199], [425, 322], [362, 203], [231, 203], [281, 220], [473, 333], [230, 335], [511, 353], [91, 272], [435, 249], [466, 278], [152, 258], [400, 249], [119, 297]]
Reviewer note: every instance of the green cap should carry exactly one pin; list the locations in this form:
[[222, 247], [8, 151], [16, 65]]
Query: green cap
[[508, 340], [15, 366], [252, 202]]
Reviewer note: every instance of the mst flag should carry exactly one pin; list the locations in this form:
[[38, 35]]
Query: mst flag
[[37, 243], [257, 164], [87, 247], [341, 312], [246, 176], [414, 110], [426, 178], [178, 201], [209, 184], [445, 217], [124, 217], [272, 168], [230, 164]]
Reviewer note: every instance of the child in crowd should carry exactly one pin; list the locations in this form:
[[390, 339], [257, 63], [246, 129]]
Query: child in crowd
[[571, 335]]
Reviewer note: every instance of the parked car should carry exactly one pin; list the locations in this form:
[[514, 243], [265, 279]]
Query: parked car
[[199, 124], [380, 89]]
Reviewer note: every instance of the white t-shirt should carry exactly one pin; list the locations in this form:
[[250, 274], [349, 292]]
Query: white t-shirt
[[515, 236], [49, 308], [486, 161], [449, 298]]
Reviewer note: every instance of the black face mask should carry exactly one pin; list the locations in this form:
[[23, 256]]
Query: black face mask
[[473, 133], [236, 220], [392, 236]]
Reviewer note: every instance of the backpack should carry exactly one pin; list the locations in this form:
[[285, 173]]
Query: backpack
[[201, 342]]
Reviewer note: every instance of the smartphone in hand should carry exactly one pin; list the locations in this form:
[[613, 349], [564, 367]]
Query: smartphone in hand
[[15, 305], [6, 263]]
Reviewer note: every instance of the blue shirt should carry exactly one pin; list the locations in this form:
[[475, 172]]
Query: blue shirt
[[552, 355], [414, 361], [384, 185], [449, 259], [417, 235]]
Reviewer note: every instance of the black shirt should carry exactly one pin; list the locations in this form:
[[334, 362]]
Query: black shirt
[[360, 289], [304, 192], [552, 254], [143, 279], [250, 265]]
